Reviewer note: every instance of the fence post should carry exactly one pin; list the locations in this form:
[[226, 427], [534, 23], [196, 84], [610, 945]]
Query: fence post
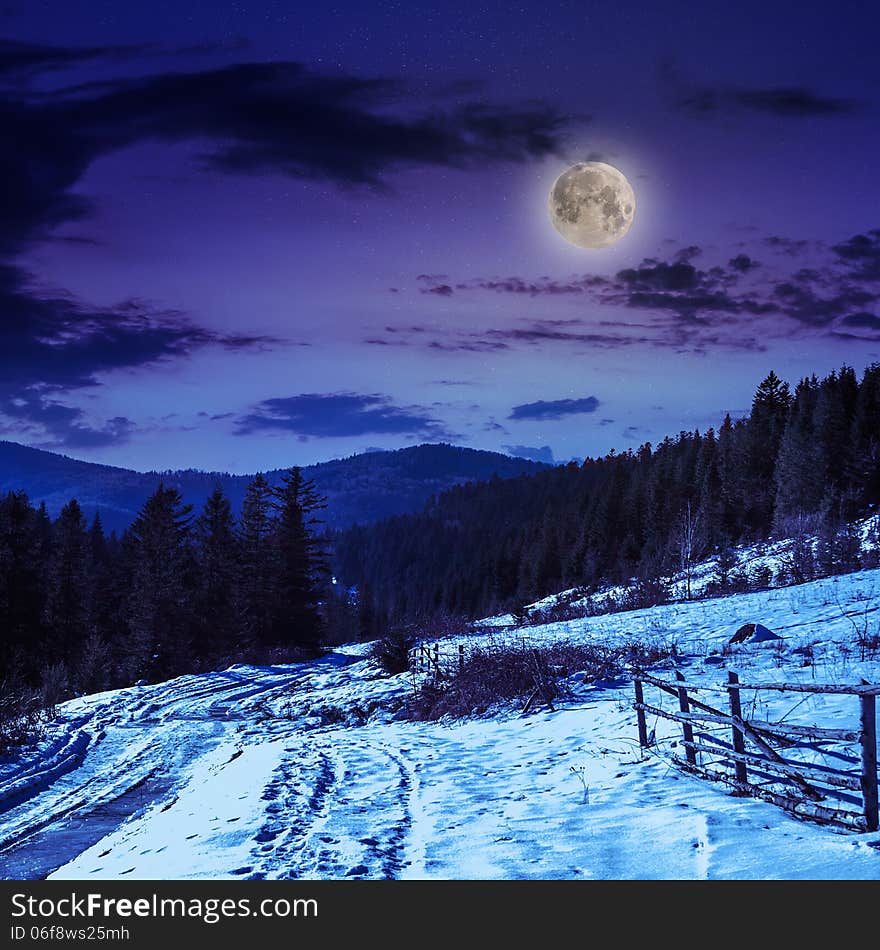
[[460, 657], [686, 728], [869, 760], [739, 740], [437, 657], [640, 715]]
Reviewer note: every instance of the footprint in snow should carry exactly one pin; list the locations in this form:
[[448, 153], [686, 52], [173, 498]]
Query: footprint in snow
[[358, 869]]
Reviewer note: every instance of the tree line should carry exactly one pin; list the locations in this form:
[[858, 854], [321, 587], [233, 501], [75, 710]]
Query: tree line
[[801, 463], [81, 610], [177, 592]]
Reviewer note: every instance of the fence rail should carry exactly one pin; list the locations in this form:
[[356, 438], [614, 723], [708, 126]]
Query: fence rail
[[759, 759], [428, 658]]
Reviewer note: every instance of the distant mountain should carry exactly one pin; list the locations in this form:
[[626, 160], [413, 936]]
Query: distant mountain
[[359, 489]]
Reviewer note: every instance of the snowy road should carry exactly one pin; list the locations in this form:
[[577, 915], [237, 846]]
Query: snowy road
[[303, 772]]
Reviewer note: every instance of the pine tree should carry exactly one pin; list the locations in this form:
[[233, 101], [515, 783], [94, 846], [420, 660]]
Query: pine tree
[[302, 563], [68, 609], [160, 601], [23, 549], [864, 477], [257, 577], [217, 564], [798, 489], [766, 426]]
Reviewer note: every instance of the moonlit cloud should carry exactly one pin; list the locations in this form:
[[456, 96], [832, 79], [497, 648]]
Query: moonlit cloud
[[334, 415], [554, 409]]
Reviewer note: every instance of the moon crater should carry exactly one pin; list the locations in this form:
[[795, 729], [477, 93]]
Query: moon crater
[[592, 205]]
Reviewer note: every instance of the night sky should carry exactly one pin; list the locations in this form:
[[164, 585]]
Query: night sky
[[245, 235]]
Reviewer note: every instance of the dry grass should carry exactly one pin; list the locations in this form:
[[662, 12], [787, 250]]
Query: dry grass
[[499, 673]]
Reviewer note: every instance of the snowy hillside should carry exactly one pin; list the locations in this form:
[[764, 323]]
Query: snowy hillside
[[308, 772]]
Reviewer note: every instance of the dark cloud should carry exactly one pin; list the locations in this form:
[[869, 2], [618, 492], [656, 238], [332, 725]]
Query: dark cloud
[[442, 290], [56, 426], [781, 102], [542, 286], [693, 294], [215, 416], [698, 309], [786, 245], [793, 102], [280, 117], [802, 303], [862, 254], [335, 415], [472, 343], [687, 254], [534, 453], [257, 118], [742, 263], [653, 275], [554, 409], [24, 60], [688, 336], [676, 286], [869, 321], [52, 344]]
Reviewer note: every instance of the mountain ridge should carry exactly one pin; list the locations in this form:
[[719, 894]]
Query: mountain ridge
[[360, 488]]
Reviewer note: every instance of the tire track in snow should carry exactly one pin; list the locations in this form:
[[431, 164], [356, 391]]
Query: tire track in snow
[[120, 776]]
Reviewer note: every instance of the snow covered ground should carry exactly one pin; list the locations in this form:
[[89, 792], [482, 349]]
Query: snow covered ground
[[306, 772]]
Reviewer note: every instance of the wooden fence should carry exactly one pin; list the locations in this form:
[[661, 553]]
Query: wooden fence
[[429, 658], [750, 754]]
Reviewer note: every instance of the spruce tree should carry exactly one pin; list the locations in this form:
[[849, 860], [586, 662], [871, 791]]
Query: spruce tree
[[766, 426], [217, 564], [864, 477], [68, 608], [23, 549], [302, 563], [159, 609], [257, 576], [799, 490]]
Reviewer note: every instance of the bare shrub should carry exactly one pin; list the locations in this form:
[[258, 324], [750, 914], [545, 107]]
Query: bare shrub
[[559, 611], [507, 672], [54, 687], [19, 715], [392, 651]]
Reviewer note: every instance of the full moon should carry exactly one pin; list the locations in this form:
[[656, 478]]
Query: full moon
[[592, 204]]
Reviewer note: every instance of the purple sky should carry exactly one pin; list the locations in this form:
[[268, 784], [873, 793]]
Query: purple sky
[[237, 236]]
